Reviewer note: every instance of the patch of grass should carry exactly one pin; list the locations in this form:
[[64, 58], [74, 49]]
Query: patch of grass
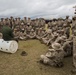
[[15, 64]]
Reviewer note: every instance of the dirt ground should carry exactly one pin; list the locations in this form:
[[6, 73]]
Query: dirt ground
[[15, 64]]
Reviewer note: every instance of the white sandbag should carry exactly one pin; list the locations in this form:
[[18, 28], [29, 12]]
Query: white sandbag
[[8, 46]]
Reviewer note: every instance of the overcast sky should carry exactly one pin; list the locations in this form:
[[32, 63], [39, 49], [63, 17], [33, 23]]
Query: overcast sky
[[37, 8]]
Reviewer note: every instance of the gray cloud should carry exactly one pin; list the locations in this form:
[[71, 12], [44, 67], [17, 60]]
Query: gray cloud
[[36, 8]]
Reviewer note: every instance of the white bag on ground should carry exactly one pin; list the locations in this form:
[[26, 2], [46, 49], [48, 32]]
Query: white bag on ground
[[8, 46]]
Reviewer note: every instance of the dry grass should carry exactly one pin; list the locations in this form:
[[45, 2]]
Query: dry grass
[[15, 64]]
